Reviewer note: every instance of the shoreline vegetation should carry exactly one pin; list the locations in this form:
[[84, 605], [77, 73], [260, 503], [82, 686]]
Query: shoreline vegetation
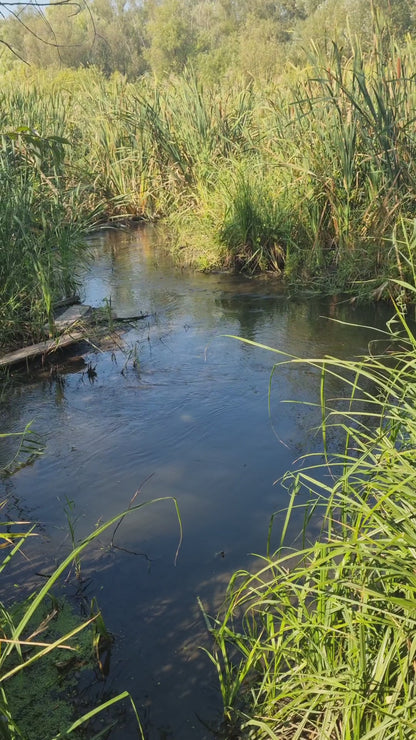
[[48, 637], [319, 640], [309, 175]]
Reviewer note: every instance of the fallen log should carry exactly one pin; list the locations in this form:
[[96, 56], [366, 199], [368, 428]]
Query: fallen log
[[41, 348], [70, 301], [70, 322]]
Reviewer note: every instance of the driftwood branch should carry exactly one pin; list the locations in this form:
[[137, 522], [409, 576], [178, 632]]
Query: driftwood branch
[[74, 324]]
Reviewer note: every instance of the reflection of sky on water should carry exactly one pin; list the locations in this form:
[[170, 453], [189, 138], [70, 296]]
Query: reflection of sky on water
[[191, 421]]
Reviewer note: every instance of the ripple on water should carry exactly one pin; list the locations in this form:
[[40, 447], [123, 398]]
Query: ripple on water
[[190, 421]]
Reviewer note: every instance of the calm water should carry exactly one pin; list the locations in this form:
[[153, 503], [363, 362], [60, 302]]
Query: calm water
[[188, 420]]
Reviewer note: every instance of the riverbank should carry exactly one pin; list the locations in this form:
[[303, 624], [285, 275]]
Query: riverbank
[[311, 176]]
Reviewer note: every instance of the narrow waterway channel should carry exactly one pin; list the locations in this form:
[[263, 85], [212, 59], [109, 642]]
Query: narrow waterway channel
[[180, 410]]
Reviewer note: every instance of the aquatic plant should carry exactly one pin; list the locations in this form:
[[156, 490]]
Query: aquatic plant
[[320, 641], [41, 637], [28, 448]]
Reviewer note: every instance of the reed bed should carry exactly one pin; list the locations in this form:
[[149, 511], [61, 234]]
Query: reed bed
[[41, 236], [320, 642], [308, 175]]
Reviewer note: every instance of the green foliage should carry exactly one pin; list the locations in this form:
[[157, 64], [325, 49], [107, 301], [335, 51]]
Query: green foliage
[[312, 169], [40, 234], [254, 229], [320, 642], [171, 38], [354, 153], [216, 36], [108, 35]]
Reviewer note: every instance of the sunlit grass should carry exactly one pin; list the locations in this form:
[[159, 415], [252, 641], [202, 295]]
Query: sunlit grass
[[321, 642], [41, 234], [311, 176]]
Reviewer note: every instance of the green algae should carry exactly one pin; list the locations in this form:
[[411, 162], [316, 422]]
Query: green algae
[[42, 697]]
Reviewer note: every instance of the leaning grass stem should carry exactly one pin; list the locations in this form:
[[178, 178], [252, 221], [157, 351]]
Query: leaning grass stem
[[321, 641], [12, 644]]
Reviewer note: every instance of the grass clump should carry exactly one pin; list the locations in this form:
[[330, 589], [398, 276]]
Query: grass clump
[[254, 229], [240, 220], [320, 642], [41, 235]]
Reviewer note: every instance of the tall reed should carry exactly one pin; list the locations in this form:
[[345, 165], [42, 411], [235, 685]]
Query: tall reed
[[310, 173], [41, 234], [355, 152]]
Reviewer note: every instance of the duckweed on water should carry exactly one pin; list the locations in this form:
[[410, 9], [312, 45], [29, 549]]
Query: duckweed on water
[[42, 698], [25, 651]]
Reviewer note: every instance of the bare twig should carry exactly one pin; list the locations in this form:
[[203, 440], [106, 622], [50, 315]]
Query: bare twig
[[7, 9]]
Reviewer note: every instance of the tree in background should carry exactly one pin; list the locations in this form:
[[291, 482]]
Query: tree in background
[[106, 34], [218, 37], [171, 37], [120, 37], [338, 21], [34, 29]]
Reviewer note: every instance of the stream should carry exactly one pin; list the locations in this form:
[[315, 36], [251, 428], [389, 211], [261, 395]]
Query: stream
[[179, 409]]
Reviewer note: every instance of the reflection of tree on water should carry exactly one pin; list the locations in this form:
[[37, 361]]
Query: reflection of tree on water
[[134, 270], [252, 312], [310, 327]]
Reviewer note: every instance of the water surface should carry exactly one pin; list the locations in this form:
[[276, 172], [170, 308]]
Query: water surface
[[179, 409]]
